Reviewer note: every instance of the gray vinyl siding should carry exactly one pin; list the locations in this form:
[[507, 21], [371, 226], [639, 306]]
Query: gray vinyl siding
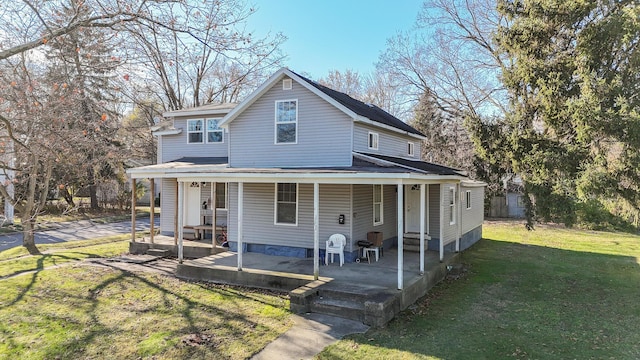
[[168, 195], [176, 146], [434, 210], [363, 212], [323, 133], [474, 217], [259, 208], [450, 231], [389, 143]]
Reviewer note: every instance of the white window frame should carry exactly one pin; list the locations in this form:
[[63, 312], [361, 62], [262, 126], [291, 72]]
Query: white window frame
[[207, 131], [411, 148], [201, 131], [452, 205], [275, 203], [467, 196], [287, 84], [373, 140], [380, 204], [226, 196], [275, 128]]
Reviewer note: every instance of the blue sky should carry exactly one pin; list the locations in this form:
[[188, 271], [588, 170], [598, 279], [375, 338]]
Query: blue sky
[[325, 35]]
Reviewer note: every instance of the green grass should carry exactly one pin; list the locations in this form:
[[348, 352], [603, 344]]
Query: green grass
[[552, 293], [87, 311]]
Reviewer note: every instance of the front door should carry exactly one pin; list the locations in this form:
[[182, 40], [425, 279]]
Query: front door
[[192, 203], [412, 208]]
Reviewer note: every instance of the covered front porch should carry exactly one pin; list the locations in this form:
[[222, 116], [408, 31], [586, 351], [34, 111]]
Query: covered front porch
[[363, 291]]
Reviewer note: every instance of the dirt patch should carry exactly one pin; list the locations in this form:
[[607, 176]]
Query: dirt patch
[[137, 263]]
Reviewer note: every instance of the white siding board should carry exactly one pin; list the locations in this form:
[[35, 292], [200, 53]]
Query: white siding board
[[176, 146], [389, 142], [259, 227], [474, 217], [324, 133], [167, 204], [363, 212], [434, 210], [450, 231]]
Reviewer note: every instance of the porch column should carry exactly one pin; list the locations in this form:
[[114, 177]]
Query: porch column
[[428, 218], [422, 213], [441, 222], [400, 235], [179, 214], [214, 201], [459, 216], [152, 208], [240, 222], [316, 230], [176, 205], [133, 210]]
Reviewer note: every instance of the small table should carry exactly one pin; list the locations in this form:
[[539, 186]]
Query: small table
[[366, 251]]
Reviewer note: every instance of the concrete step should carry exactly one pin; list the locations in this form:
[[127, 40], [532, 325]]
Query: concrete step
[[158, 252], [342, 308]]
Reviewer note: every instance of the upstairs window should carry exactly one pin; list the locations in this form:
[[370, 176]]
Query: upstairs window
[[377, 205], [410, 149], [286, 84], [373, 141], [215, 134], [195, 131], [286, 204], [286, 122]]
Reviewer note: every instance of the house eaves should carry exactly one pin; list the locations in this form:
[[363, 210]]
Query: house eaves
[[209, 110]]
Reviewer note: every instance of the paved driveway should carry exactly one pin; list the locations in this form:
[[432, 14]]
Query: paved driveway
[[76, 230]]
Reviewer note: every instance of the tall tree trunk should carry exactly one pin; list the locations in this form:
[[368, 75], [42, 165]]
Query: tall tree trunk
[[93, 191], [28, 237]]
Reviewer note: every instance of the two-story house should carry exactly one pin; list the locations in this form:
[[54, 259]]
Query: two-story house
[[296, 162]]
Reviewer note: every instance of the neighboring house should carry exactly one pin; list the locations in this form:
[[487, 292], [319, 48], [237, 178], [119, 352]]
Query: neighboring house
[[511, 204], [296, 162]]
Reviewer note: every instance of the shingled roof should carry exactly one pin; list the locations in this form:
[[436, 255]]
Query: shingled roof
[[369, 111]]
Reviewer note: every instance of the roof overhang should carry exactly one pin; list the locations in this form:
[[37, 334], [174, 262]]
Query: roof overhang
[[167, 132], [218, 110]]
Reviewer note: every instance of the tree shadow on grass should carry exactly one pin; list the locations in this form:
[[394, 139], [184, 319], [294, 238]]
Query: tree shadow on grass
[[520, 300], [34, 275], [235, 323]]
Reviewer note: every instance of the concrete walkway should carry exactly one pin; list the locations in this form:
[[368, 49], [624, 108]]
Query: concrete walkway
[[310, 334]]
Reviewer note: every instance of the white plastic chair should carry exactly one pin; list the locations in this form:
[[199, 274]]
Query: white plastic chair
[[335, 245]]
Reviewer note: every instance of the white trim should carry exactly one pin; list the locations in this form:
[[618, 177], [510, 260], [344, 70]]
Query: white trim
[[381, 222], [240, 223], [202, 131], [373, 140], [206, 131], [287, 84], [275, 204], [204, 110], [316, 230], [400, 214], [411, 148], [167, 132], [452, 205], [276, 123]]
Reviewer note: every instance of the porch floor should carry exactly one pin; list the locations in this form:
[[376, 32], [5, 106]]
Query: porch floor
[[381, 274]]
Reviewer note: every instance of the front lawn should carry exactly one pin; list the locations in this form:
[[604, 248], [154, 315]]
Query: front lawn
[[553, 293], [82, 311]]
